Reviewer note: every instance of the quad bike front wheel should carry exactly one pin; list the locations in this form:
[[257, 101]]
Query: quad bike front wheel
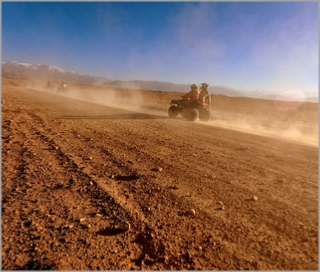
[[173, 112]]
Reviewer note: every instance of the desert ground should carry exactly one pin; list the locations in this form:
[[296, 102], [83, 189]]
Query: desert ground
[[101, 179]]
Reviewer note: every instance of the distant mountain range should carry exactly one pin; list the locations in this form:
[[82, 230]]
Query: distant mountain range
[[18, 69], [49, 72]]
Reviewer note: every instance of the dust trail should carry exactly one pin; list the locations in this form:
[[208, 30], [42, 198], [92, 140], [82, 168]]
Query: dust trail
[[118, 98], [299, 132], [129, 99]]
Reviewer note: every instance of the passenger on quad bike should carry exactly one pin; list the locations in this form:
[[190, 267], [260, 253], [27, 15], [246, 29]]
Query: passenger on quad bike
[[204, 97]]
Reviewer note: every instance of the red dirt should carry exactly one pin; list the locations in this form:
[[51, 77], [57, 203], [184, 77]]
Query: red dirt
[[75, 173]]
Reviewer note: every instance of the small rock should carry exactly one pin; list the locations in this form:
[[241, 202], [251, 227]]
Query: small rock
[[82, 219], [71, 180], [255, 198], [192, 212], [124, 226], [188, 255]]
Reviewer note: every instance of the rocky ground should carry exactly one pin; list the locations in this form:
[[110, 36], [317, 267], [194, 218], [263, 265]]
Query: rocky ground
[[109, 182]]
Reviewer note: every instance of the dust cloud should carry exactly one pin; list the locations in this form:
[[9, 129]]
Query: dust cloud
[[300, 132], [129, 98], [106, 96]]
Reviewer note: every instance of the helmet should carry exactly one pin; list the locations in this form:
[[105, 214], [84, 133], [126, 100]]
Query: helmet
[[204, 86], [194, 86]]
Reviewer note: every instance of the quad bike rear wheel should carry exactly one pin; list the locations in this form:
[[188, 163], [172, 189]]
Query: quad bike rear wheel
[[173, 112], [192, 114], [205, 115]]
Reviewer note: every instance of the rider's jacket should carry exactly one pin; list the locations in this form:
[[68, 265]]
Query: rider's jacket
[[193, 95], [205, 97]]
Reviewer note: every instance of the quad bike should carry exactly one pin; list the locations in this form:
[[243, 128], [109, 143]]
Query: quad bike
[[191, 111], [62, 88]]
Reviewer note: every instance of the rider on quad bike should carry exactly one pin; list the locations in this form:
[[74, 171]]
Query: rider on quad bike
[[49, 85], [192, 109], [63, 88], [191, 96]]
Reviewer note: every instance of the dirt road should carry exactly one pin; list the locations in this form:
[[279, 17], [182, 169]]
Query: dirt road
[[76, 175]]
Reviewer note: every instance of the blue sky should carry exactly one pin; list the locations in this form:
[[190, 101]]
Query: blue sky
[[247, 46]]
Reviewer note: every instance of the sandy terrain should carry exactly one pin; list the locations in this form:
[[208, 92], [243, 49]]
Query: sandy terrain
[[239, 192]]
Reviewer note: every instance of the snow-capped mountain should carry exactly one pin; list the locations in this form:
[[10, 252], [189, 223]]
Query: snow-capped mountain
[[49, 72], [18, 66]]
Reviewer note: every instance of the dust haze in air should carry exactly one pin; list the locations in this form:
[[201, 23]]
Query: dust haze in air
[[264, 124], [279, 56]]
